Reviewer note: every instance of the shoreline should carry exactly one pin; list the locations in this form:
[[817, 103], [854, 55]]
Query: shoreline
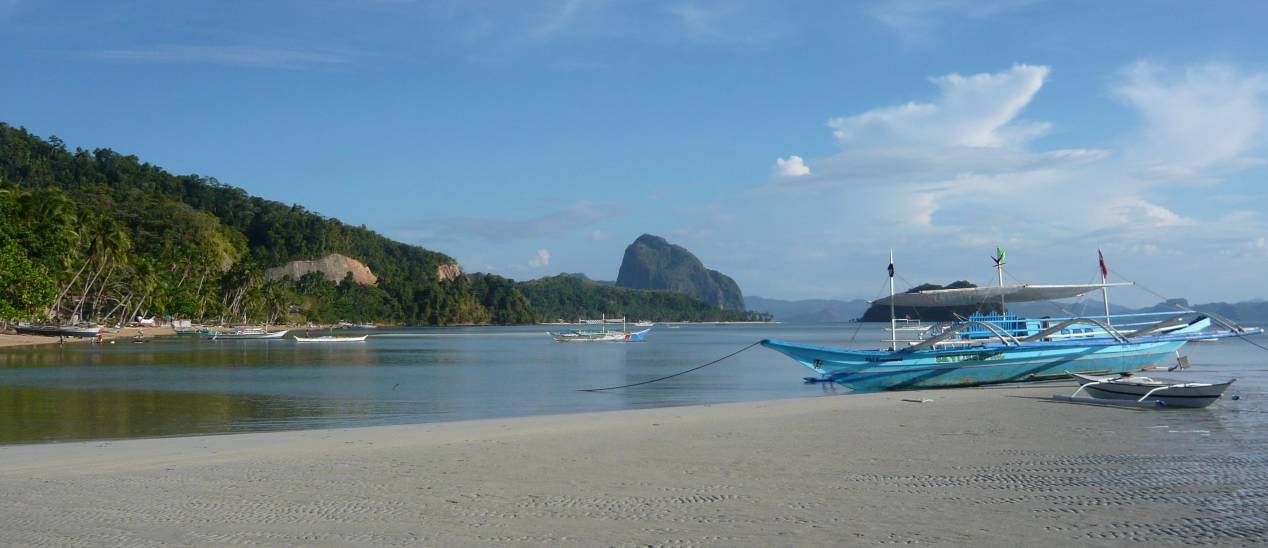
[[14, 340], [976, 465]]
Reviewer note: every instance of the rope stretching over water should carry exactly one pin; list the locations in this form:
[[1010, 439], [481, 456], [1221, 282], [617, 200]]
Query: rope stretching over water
[[675, 374], [1187, 309]]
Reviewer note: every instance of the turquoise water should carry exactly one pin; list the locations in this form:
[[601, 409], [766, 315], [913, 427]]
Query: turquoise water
[[181, 386]]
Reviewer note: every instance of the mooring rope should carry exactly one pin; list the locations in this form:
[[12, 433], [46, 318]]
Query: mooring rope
[[674, 375], [1187, 309]]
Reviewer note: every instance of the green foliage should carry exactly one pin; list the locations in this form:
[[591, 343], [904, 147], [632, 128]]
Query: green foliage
[[500, 295], [25, 287], [197, 247], [571, 298], [116, 238]]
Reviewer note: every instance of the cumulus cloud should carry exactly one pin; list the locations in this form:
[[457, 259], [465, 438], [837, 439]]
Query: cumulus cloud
[[542, 259], [794, 166], [919, 21], [1198, 121], [979, 110], [964, 171]]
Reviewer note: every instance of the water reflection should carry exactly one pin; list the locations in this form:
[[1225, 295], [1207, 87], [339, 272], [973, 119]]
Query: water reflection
[[176, 386]]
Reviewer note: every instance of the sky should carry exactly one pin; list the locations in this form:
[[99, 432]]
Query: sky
[[788, 144]]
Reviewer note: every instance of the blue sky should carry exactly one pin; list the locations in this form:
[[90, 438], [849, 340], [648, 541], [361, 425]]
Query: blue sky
[[788, 144]]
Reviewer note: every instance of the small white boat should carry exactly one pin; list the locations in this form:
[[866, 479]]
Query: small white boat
[[581, 335], [644, 324], [247, 333], [1135, 390], [329, 339]]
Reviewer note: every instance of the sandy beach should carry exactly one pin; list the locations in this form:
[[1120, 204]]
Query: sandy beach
[[995, 466], [8, 339]]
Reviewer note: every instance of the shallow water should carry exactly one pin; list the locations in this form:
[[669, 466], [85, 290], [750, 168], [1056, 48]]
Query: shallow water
[[185, 385]]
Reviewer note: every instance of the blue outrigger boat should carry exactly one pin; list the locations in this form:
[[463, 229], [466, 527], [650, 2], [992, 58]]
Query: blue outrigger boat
[[1000, 348]]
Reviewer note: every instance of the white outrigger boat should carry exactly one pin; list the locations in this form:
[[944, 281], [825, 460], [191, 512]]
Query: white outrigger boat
[[329, 339], [1003, 347], [246, 333], [602, 334], [1128, 389]]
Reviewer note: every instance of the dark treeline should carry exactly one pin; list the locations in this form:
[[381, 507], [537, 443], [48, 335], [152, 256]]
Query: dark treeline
[[104, 236], [570, 298]]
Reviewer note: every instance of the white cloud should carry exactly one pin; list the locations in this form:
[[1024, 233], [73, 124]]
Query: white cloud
[[542, 259], [794, 166], [919, 21], [1199, 121], [597, 235], [949, 177], [977, 111], [246, 56]]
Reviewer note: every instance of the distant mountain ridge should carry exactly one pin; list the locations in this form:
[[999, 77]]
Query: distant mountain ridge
[[651, 262], [808, 310], [834, 310]]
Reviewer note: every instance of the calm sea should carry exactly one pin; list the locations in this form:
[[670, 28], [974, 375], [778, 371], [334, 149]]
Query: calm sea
[[184, 385]]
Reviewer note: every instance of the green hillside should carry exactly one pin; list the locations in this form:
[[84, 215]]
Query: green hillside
[[104, 236]]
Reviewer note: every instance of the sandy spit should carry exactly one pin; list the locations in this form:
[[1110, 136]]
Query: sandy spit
[[971, 467]]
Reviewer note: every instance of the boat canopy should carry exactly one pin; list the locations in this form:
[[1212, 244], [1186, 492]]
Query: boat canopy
[[979, 295]]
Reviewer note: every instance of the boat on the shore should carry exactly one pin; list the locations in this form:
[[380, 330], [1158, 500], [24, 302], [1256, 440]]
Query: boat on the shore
[[1002, 347], [1132, 390], [84, 330], [330, 339], [246, 333]]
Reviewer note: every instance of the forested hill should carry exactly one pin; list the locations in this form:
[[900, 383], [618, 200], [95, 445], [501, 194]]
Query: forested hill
[[191, 246], [104, 236], [570, 297]]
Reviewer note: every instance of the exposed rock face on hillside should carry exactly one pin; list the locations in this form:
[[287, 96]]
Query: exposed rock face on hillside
[[448, 271], [334, 266], [653, 263]]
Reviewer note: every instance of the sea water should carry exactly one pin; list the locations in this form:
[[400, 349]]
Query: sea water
[[180, 385]]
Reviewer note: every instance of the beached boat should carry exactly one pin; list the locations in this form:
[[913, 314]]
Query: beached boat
[[329, 339], [997, 348], [1132, 389], [85, 330], [602, 334], [246, 333]]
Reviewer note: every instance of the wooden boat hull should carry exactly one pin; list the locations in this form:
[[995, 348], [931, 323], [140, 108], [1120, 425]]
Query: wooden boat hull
[[248, 336], [599, 336], [329, 339], [1168, 394], [59, 330], [877, 370]]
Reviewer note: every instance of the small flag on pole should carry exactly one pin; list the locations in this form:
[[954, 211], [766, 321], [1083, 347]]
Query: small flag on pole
[[1104, 270], [999, 256], [891, 268]]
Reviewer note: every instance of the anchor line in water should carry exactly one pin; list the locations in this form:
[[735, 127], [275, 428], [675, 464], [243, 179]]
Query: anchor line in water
[[675, 374]]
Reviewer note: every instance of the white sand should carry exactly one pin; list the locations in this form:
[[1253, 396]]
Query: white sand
[[974, 466]]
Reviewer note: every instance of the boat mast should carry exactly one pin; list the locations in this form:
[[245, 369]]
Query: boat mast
[[1104, 290], [893, 322], [999, 269]]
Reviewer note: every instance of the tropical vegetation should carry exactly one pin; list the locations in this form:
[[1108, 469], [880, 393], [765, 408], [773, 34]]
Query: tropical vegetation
[[103, 236]]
